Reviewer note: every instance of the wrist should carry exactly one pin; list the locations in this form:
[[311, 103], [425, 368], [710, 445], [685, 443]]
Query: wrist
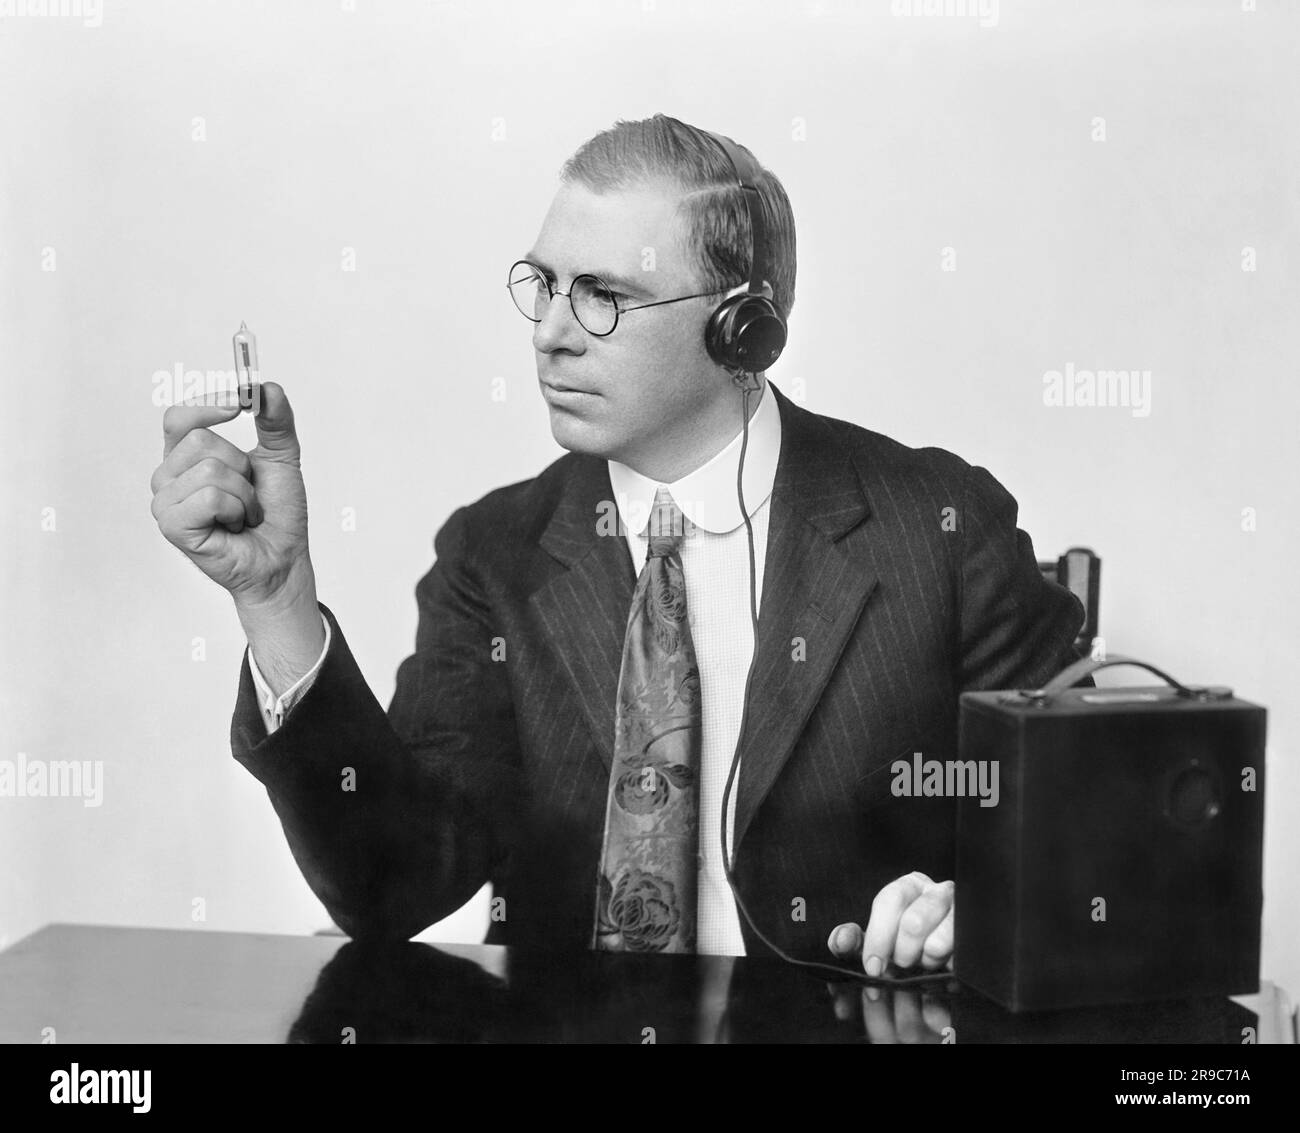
[[285, 633], [287, 599]]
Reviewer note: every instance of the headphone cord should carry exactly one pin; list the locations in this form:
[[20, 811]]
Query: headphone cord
[[812, 965]]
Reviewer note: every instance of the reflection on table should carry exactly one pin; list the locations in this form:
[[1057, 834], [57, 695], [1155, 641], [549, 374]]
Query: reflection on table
[[99, 984]]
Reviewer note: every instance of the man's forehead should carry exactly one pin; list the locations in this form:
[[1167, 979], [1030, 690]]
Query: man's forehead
[[625, 232]]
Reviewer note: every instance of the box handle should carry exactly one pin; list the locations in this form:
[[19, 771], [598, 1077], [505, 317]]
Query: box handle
[[1086, 666]]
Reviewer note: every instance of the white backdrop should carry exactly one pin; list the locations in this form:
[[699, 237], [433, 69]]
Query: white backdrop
[[981, 197]]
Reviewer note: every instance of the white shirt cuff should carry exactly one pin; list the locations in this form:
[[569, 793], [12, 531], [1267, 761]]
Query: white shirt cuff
[[275, 709]]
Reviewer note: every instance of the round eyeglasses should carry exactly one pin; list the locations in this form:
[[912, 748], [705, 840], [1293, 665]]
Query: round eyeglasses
[[594, 303]]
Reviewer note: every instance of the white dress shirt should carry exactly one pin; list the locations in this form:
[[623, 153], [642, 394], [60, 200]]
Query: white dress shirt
[[715, 562]]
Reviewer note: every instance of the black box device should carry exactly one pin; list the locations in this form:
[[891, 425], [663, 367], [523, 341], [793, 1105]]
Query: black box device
[[1122, 861]]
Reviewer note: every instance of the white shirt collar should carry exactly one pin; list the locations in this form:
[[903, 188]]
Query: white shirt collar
[[707, 496]]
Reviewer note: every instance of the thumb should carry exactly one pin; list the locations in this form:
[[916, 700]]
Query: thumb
[[275, 430], [845, 939]]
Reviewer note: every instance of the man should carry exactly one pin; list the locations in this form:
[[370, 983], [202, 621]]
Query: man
[[891, 579]]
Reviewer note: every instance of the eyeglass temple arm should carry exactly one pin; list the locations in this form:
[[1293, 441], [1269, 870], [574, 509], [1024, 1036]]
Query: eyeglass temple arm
[[661, 302]]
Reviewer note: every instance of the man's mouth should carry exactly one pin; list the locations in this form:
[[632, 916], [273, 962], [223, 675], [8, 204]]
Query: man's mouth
[[560, 387]]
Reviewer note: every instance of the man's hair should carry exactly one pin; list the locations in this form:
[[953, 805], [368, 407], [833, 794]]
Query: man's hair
[[713, 206]]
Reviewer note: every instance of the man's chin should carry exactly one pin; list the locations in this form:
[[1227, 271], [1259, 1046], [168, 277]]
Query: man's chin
[[579, 436]]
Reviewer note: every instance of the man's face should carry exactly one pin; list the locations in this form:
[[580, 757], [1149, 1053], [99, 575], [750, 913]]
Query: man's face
[[649, 390]]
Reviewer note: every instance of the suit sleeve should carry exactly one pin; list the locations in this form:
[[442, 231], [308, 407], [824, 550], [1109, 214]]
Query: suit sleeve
[[396, 819], [1017, 628]]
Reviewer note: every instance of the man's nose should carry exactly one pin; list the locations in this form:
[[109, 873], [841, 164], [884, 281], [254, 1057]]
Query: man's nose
[[559, 330]]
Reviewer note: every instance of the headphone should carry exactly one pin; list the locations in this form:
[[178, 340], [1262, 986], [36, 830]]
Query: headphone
[[745, 333]]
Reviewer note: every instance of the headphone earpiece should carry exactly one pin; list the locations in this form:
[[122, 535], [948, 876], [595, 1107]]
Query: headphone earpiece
[[745, 333]]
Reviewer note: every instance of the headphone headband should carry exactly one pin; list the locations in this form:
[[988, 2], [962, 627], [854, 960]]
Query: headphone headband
[[746, 171]]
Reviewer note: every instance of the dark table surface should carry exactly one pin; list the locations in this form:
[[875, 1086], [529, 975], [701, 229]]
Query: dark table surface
[[95, 984]]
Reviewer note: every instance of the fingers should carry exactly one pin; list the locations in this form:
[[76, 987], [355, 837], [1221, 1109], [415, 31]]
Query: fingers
[[845, 940], [179, 420], [276, 435], [188, 438], [201, 510], [937, 950], [911, 923], [195, 446], [887, 912], [921, 918], [215, 473]]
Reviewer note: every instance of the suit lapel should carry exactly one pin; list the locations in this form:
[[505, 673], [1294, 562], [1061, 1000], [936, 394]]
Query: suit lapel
[[813, 595], [811, 591], [584, 608]]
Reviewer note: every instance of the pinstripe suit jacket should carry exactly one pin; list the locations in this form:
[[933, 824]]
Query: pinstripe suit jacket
[[496, 768]]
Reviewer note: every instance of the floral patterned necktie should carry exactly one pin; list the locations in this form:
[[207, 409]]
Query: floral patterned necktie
[[646, 890]]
